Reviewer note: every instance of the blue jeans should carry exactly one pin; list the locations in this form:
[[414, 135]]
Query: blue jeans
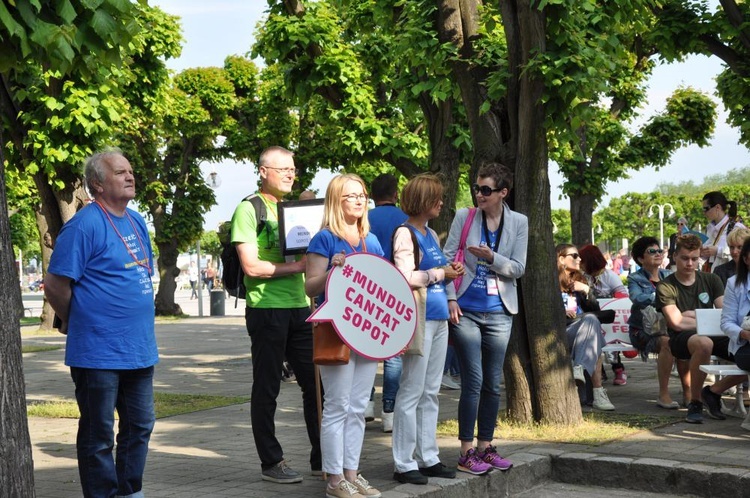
[[99, 393], [391, 381], [480, 341], [452, 367]]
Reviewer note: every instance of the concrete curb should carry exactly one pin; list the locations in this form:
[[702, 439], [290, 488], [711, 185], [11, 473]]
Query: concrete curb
[[650, 474]]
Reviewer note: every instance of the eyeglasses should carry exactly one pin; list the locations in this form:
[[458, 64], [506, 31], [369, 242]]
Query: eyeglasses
[[707, 208], [573, 255], [355, 197], [485, 190], [284, 171], [653, 251]]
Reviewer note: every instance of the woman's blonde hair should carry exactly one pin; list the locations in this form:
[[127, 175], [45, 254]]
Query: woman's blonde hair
[[333, 215]]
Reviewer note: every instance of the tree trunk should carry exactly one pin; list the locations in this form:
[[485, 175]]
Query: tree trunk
[[165, 304], [582, 218], [54, 209], [16, 465]]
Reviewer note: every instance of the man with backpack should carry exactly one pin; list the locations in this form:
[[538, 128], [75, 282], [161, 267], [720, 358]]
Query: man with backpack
[[277, 308]]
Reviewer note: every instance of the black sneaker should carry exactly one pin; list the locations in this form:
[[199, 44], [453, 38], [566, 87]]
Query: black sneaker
[[410, 477], [438, 470], [695, 413], [713, 403]]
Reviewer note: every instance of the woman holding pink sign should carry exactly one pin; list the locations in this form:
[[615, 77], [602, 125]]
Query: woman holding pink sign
[[345, 230], [417, 254], [493, 239]]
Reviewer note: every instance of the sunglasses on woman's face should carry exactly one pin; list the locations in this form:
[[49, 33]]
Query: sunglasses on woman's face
[[653, 251], [573, 255], [485, 190]]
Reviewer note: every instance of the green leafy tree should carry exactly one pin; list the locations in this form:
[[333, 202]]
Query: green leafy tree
[[561, 231], [381, 109], [691, 27], [48, 122]]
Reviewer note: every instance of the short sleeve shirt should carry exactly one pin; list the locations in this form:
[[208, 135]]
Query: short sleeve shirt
[[285, 292], [701, 295]]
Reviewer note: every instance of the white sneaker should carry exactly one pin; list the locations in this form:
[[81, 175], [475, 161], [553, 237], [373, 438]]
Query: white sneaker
[[578, 374], [370, 411], [449, 383], [387, 419], [601, 400], [746, 423]]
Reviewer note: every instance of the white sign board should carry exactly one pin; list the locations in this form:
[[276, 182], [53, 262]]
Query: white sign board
[[371, 306], [617, 331]]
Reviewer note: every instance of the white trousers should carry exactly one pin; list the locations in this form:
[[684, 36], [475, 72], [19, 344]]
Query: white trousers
[[346, 394], [416, 413]]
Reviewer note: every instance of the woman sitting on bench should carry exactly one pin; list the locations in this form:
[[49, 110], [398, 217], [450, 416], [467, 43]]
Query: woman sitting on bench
[[642, 286], [584, 330], [735, 322]]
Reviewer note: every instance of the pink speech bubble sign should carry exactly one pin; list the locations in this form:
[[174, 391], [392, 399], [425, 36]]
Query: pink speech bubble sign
[[371, 306]]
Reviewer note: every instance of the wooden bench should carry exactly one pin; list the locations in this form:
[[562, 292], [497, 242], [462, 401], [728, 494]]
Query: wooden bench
[[708, 323]]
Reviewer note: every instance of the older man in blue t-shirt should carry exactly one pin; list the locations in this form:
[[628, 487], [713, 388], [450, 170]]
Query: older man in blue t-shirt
[[99, 284]]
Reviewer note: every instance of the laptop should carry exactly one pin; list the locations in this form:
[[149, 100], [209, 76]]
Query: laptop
[[708, 321]]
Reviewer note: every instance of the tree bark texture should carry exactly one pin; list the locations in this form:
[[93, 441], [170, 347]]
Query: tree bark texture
[[16, 465], [538, 373], [582, 218]]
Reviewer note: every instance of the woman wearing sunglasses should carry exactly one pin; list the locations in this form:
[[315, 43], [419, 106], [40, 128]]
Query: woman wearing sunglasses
[[584, 330], [734, 243], [481, 310], [722, 219], [642, 287]]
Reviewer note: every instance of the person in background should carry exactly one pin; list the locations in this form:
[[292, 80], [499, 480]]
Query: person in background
[[583, 330], [193, 278], [722, 219], [682, 227], [384, 219], [605, 284], [482, 308], [415, 447], [642, 286], [617, 263], [346, 388], [735, 312], [99, 284], [275, 317], [735, 239]]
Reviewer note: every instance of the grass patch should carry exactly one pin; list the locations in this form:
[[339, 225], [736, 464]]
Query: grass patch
[[596, 429], [166, 405], [38, 349], [30, 320]]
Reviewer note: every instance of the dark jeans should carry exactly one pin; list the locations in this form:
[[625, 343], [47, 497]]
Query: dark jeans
[[99, 393], [276, 334], [742, 357]]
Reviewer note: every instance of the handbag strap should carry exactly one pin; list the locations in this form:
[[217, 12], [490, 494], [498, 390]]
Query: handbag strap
[[466, 227]]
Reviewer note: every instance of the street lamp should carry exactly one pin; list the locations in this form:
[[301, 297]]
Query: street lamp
[[661, 219], [598, 230]]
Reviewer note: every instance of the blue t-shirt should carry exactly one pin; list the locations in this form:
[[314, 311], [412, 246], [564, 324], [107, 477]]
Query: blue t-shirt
[[327, 244], [111, 319], [432, 257], [383, 221], [476, 298]]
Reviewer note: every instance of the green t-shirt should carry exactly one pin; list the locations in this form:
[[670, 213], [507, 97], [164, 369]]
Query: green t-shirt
[[279, 292], [702, 294]]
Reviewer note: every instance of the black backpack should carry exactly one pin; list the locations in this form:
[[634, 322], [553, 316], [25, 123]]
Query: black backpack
[[232, 277]]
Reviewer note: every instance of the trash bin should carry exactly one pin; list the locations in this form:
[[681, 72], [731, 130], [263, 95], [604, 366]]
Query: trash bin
[[217, 302]]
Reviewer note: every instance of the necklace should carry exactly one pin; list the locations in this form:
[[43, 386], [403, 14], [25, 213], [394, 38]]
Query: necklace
[[127, 247]]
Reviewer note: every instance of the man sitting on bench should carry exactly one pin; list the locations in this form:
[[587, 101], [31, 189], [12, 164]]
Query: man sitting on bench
[[677, 297]]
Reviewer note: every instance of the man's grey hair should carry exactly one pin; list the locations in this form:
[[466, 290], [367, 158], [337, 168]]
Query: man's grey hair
[[93, 170], [266, 157]]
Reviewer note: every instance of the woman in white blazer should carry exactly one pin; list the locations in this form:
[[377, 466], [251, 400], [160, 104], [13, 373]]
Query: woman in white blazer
[[481, 310]]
